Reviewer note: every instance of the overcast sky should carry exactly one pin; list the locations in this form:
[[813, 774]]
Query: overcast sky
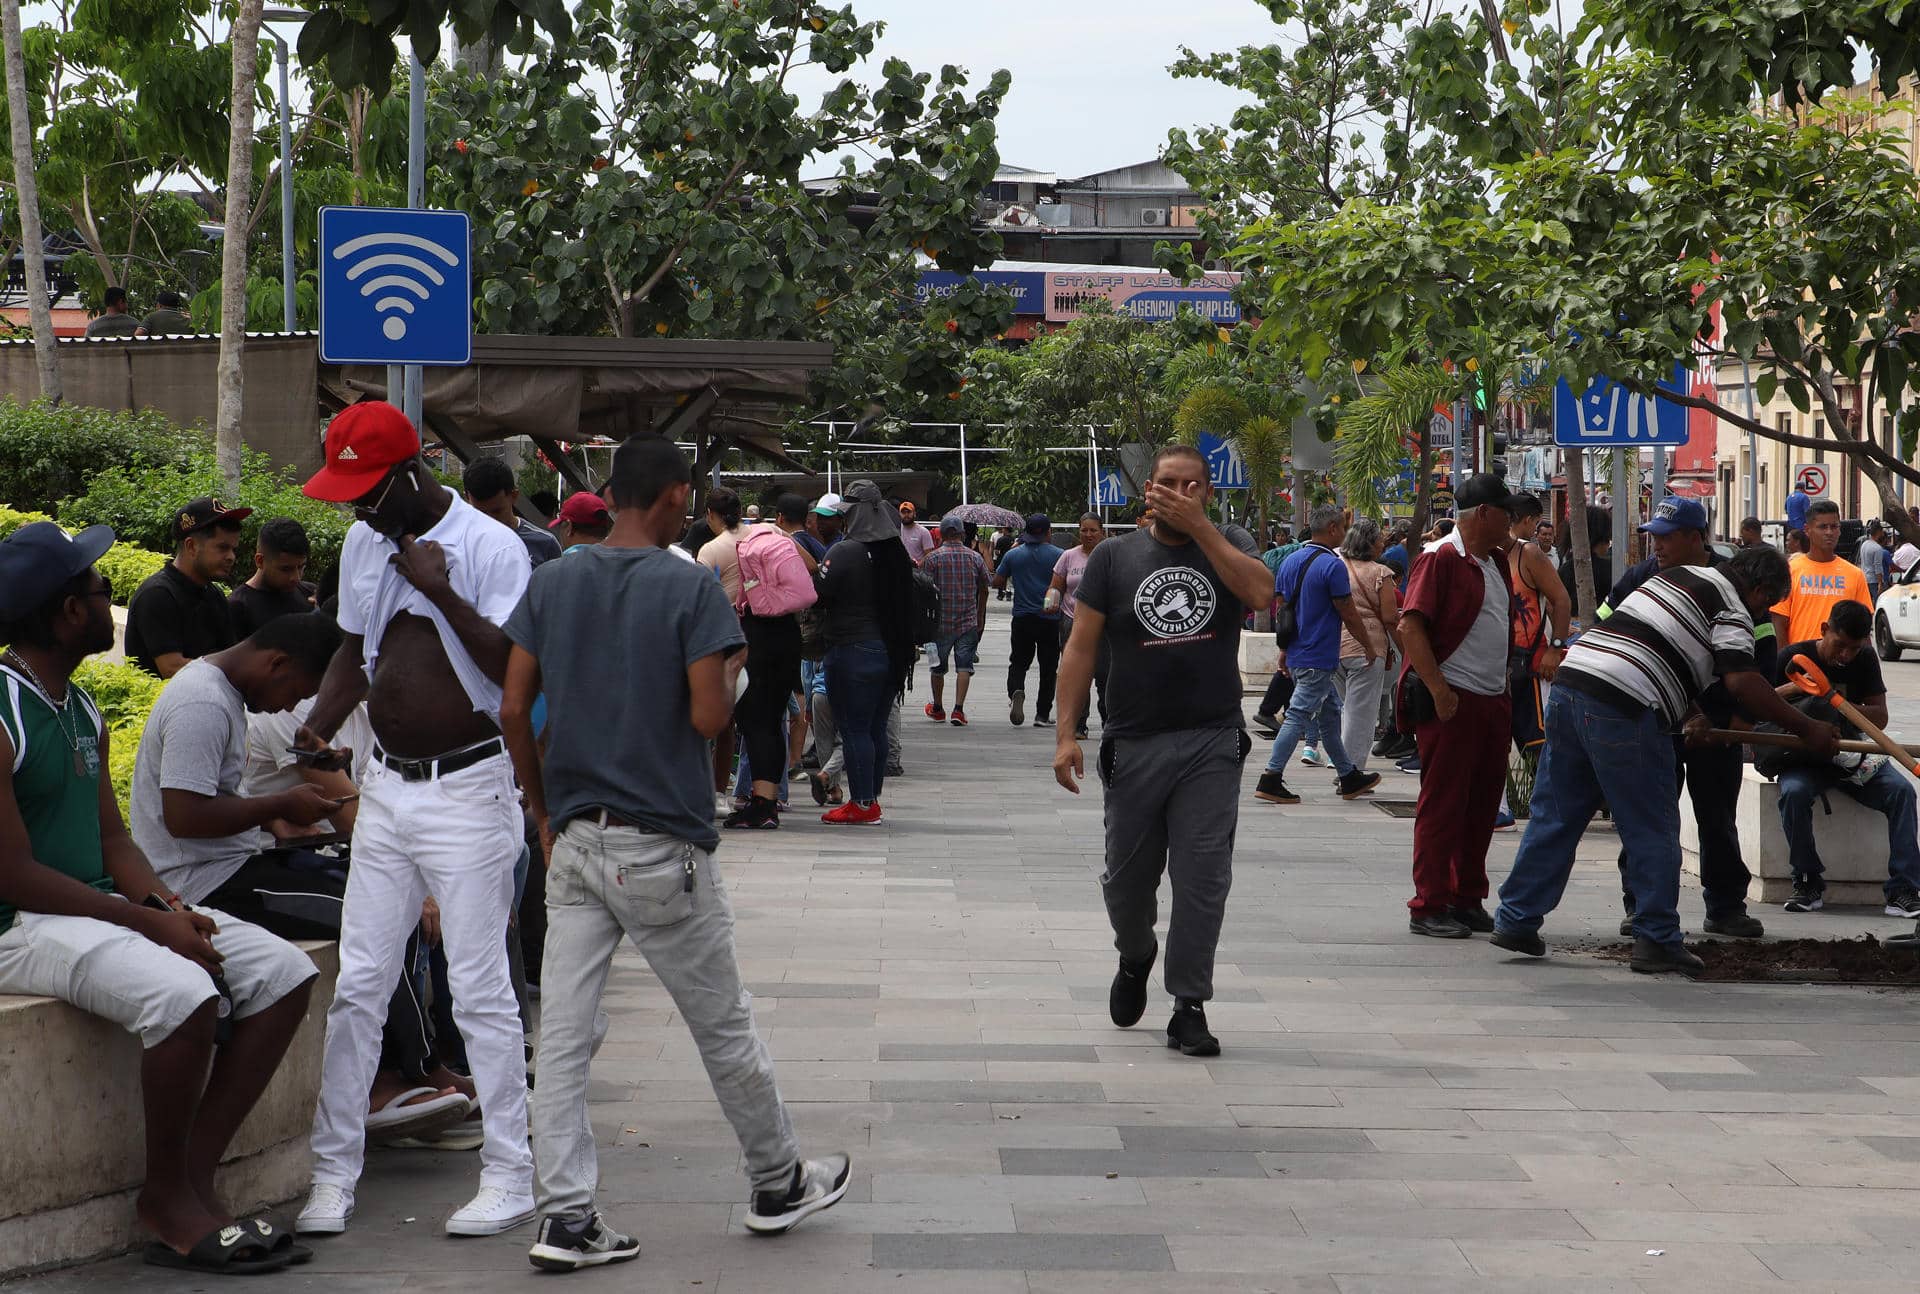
[[1091, 88]]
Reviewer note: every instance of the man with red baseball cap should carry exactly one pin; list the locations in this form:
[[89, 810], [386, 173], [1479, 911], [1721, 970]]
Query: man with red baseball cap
[[584, 519], [426, 582]]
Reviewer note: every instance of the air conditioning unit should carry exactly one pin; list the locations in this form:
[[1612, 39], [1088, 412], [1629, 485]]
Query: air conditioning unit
[[1153, 215]]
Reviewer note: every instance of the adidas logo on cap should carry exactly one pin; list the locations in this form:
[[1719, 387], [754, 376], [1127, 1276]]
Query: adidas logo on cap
[[346, 455]]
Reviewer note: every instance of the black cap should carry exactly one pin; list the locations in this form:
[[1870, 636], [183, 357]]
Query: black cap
[[37, 559], [197, 514], [1039, 526], [1481, 490]]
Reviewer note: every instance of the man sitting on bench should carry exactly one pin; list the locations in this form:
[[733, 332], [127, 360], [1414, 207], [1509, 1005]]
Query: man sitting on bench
[[216, 1001], [1844, 653], [212, 842]]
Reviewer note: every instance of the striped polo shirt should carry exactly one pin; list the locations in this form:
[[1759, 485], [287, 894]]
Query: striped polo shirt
[[1664, 643]]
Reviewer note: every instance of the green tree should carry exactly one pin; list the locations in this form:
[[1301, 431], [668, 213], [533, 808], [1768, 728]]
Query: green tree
[[1630, 188], [674, 205], [39, 303]]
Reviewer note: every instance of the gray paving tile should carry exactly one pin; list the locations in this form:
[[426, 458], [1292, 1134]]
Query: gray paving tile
[[1036, 1053], [1230, 1140], [1129, 1163], [963, 1092], [1022, 1253], [1409, 1168]]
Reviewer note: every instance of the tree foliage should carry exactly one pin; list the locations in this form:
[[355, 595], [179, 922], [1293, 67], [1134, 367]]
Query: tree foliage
[[1631, 188], [674, 204], [355, 40]]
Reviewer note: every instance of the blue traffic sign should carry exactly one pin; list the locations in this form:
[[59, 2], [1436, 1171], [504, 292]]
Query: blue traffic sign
[[1109, 491], [1608, 414], [396, 286], [1225, 468]]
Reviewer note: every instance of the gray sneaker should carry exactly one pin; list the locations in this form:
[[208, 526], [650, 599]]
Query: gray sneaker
[[817, 1184], [568, 1244]]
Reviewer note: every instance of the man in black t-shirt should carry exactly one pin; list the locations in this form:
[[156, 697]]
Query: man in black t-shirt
[[1167, 603], [179, 614], [1844, 653], [278, 585]]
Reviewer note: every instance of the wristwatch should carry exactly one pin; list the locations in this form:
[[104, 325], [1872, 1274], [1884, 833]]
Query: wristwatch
[[1558, 644]]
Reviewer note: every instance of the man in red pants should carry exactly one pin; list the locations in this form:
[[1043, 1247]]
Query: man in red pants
[[1455, 627]]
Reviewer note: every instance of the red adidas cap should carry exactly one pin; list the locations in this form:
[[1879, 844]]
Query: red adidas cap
[[363, 441]]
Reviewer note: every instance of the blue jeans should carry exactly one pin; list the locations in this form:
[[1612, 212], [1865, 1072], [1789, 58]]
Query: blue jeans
[[1885, 792], [1596, 753], [857, 676], [1315, 704]]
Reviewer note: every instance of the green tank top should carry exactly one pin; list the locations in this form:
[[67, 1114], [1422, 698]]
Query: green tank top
[[56, 786]]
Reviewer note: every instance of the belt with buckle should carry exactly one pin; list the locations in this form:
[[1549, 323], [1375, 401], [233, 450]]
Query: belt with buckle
[[425, 770], [603, 819]]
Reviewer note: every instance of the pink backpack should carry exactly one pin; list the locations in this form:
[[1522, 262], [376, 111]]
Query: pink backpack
[[774, 580]]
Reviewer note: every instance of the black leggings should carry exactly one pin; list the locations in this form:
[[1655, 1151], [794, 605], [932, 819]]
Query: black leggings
[[299, 895], [773, 676]]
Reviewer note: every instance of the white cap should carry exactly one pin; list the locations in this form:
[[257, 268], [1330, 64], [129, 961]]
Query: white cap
[[830, 505]]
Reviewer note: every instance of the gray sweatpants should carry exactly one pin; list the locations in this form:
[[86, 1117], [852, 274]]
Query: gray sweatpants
[[610, 881], [1172, 803]]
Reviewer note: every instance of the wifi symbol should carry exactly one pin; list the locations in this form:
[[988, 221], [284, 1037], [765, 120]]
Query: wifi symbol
[[403, 273]]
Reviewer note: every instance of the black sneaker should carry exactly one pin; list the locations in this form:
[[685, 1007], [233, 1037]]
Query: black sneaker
[[1356, 784], [1127, 999], [1626, 926], [1738, 925], [759, 815], [1410, 765], [1187, 1031], [1042, 721], [1475, 918], [1650, 958], [1904, 903], [1515, 942], [1438, 926], [817, 1184], [817, 784], [1808, 895], [1273, 789], [1017, 708], [567, 1245], [896, 769], [1268, 724]]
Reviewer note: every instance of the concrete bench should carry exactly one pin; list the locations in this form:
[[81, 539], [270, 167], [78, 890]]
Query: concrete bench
[[1853, 844], [71, 1150]]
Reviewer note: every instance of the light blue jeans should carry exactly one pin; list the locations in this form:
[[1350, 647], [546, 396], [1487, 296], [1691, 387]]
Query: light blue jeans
[[1596, 753], [1315, 703]]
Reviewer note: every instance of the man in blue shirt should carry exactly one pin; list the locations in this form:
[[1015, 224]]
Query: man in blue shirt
[[1028, 569], [1314, 583]]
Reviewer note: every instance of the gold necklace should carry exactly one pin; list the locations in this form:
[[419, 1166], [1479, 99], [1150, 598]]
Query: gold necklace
[[72, 737]]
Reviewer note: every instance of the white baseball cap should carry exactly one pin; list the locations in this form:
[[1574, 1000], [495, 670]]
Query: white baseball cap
[[830, 505]]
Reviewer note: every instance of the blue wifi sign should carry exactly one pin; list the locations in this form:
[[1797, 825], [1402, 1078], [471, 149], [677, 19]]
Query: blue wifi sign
[[396, 286]]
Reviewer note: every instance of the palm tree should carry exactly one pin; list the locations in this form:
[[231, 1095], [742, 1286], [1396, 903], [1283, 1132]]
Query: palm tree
[[33, 240], [1377, 429]]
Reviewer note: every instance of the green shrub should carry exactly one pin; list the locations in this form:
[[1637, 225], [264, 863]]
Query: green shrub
[[11, 520], [140, 504], [49, 453], [125, 695], [129, 567]]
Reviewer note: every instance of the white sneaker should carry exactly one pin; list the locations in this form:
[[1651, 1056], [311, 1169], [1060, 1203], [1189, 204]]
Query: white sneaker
[[327, 1211], [817, 1184], [494, 1210]]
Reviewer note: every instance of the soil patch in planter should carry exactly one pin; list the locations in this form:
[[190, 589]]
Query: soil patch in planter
[[1865, 960]]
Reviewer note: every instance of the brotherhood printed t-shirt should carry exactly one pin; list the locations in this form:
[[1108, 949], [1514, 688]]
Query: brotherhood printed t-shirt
[[1816, 587], [1174, 631]]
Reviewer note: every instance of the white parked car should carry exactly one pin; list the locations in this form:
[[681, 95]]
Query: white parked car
[[1896, 616]]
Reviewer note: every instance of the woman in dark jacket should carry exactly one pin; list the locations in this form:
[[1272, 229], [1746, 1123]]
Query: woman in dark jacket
[[866, 605]]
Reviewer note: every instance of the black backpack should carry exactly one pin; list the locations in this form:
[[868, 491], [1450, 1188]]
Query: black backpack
[[1286, 617], [926, 607]]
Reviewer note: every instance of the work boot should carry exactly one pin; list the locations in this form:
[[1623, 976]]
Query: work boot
[[1737, 925], [1650, 958]]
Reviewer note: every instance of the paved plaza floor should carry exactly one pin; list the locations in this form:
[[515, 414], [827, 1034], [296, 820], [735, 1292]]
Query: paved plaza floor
[[1389, 1113]]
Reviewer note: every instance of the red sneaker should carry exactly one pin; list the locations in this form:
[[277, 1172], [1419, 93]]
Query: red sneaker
[[935, 713], [959, 719], [851, 814]]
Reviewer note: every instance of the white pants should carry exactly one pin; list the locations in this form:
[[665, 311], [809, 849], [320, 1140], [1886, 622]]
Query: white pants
[[457, 838]]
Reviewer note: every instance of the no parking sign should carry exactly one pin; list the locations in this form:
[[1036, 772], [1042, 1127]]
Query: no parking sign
[[1811, 479]]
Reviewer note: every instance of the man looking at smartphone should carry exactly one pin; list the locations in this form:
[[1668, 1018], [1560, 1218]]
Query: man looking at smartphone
[[213, 844], [83, 917]]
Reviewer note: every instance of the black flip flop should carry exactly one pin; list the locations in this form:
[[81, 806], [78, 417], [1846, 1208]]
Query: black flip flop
[[218, 1253], [278, 1241]]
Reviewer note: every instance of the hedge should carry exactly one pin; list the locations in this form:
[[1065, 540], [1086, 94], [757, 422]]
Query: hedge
[[140, 505], [48, 453], [127, 566], [125, 695]]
